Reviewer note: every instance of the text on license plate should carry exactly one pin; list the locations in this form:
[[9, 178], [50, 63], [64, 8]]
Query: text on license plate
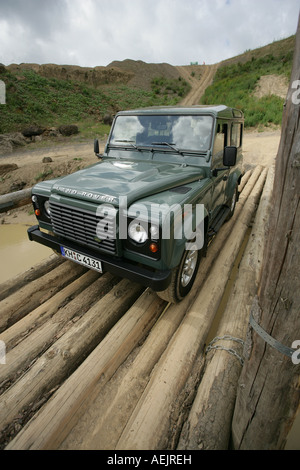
[[82, 259]]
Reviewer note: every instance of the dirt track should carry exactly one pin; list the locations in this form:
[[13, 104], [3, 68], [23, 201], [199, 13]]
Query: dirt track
[[207, 73]]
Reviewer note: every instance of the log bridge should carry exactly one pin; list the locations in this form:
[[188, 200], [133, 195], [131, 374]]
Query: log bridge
[[98, 362]]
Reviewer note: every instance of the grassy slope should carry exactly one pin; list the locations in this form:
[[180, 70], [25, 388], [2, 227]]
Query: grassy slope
[[34, 99], [235, 82]]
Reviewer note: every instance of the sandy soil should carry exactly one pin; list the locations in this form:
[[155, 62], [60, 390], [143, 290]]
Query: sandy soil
[[66, 158], [272, 85], [260, 148]]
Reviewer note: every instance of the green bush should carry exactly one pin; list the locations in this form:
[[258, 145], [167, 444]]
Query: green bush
[[178, 87]]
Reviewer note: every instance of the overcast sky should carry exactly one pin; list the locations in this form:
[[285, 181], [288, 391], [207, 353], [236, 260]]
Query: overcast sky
[[96, 32]]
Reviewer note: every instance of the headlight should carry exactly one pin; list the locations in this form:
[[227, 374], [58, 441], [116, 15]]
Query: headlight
[[137, 232], [47, 208]]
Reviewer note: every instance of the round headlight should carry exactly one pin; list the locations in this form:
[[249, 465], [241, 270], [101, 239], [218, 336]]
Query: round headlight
[[47, 208], [137, 232]]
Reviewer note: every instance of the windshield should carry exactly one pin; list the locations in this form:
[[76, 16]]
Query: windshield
[[187, 132]]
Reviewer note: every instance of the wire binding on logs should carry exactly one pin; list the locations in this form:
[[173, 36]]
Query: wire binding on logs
[[210, 346]]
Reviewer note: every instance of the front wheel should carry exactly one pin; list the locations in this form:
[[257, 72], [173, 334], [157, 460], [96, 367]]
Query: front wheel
[[183, 276]]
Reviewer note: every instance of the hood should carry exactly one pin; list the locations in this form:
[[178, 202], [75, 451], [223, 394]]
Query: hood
[[108, 180]]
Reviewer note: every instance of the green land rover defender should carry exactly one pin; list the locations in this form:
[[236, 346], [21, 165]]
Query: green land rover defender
[[167, 180]]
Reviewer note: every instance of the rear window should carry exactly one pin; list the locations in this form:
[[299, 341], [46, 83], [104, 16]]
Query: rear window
[[236, 134]]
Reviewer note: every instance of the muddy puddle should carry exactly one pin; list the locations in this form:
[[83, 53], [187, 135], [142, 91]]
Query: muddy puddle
[[17, 252]]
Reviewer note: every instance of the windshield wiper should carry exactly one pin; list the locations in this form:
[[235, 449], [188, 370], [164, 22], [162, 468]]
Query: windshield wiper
[[171, 145], [129, 142]]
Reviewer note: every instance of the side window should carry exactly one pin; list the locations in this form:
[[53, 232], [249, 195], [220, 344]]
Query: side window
[[221, 138], [236, 134]]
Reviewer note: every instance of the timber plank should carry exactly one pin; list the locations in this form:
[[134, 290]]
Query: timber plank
[[208, 425], [52, 424], [62, 358], [32, 335], [28, 297], [148, 427]]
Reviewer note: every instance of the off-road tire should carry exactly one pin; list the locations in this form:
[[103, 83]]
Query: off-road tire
[[232, 203], [177, 288]]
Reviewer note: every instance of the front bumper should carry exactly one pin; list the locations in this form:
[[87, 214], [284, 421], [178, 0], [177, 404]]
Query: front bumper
[[156, 280]]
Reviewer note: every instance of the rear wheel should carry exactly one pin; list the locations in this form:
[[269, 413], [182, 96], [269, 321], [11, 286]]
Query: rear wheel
[[182, 278], [232, 203]]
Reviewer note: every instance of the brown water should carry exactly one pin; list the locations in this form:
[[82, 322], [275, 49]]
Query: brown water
[[17, 252]]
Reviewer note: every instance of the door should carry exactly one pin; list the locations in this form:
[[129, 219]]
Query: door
[[235, 133], [219, 180]]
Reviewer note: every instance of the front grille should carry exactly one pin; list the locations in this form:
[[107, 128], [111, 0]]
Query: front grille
[[81, 226]]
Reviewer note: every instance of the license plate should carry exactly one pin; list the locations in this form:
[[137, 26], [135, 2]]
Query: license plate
[[81, 259]]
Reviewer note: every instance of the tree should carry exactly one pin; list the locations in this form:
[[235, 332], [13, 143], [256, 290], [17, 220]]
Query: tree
[[268, 395]]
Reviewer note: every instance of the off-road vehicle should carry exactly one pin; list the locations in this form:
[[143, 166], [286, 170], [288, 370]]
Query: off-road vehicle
[[165, 183]]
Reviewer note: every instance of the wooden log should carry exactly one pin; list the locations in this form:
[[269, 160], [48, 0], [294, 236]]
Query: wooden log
[[31, 336], [246, 189], [61, 359], [28, 297], [209, 423], [134, 382], [105, 426], [149, 425], [268, 395], [244, 180], [12, 285], [63, 301], [49, 427], [15, 199]]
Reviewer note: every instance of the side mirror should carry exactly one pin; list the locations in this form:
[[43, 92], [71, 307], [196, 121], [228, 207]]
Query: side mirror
[[229, 156], [96, 146]]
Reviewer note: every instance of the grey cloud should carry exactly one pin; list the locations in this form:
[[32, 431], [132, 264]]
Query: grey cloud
[[96, 32], [39, 16]]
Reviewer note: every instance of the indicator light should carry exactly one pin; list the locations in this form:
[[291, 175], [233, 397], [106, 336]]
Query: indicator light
[[153, 247]]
